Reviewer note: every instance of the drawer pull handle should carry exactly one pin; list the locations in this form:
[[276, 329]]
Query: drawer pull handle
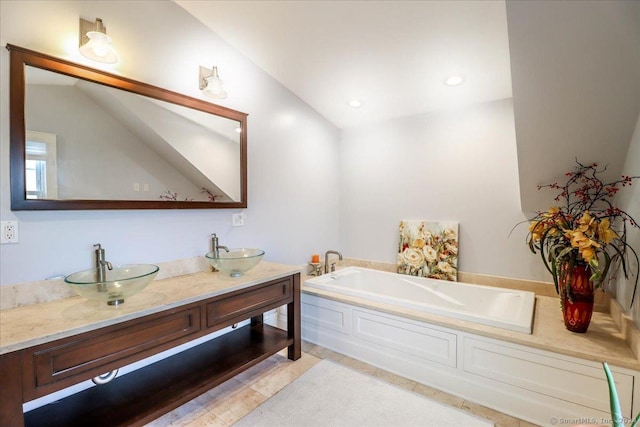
[[105, 378]]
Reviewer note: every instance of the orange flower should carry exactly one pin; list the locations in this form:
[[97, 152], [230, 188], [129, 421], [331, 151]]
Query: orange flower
[[549, 221], [552, 211], [605, 233], [588, 254], [537, 229], [584, 244], [587, 223]]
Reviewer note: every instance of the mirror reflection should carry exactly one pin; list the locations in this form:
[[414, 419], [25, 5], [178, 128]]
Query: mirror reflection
[[85, 140]]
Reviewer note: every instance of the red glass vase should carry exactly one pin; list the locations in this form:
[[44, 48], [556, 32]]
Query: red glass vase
[[576, 295]]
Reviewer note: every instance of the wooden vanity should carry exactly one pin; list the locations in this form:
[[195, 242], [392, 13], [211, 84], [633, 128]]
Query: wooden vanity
[[147, 393]]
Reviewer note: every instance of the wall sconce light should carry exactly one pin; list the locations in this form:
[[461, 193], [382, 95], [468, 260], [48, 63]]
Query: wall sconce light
[[95, 44], [210, 83]]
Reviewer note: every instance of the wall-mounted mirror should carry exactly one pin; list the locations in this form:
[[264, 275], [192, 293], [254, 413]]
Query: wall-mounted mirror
[[85, 139]]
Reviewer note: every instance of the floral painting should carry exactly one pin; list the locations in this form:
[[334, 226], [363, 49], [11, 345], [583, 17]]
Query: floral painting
[[428, 249]]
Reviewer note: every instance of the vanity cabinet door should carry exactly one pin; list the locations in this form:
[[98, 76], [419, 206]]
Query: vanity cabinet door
[[61, 363]]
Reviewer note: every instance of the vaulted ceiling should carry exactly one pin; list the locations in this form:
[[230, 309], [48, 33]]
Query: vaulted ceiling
[[572, 67], [391, 55]]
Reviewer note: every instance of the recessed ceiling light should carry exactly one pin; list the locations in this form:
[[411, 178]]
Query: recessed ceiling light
[[454, 80], [355, 103]]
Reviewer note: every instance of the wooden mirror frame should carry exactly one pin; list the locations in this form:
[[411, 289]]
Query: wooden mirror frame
[[20, 58]]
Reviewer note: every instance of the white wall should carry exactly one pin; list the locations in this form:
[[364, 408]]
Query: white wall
[[292, 151], [629, 201], [457, 165], [303, 174]]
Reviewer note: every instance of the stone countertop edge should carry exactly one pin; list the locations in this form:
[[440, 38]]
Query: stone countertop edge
[[605, 340], [32, 325]]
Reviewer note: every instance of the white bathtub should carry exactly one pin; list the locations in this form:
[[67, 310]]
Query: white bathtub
[[502, 308]]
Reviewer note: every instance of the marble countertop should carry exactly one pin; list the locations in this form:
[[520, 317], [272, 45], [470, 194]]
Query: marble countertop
[[36, 324], [40, 323], [603, 340]]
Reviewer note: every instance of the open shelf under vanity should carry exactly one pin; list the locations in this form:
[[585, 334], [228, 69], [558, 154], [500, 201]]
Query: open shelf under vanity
[[147, 393]]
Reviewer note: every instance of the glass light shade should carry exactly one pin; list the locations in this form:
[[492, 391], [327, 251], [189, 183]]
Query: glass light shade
[[214, 87], [99, 48]]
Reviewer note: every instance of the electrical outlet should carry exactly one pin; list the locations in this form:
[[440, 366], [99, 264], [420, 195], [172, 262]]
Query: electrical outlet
[[8, 231], [237, 219]]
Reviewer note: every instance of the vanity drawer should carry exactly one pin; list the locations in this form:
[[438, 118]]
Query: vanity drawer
[[245, 304], [90, 355]]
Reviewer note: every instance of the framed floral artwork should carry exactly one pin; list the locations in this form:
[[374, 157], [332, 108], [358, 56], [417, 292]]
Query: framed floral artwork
[[428, 249]]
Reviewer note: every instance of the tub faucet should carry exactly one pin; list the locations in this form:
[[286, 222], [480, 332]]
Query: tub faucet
[[215, 247], [326, 260], [101, 267]]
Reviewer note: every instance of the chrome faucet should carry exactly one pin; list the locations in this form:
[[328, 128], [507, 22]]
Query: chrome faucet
[[101, 267], [215, 247], [326, 260]]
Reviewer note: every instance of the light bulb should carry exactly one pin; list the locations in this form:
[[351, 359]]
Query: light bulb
[[99, 48]]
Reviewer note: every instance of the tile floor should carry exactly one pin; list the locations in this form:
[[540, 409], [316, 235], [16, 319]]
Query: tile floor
[[230, 401]]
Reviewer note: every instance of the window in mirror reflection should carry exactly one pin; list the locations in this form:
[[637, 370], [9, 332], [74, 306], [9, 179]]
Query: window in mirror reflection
[[40, 165]]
